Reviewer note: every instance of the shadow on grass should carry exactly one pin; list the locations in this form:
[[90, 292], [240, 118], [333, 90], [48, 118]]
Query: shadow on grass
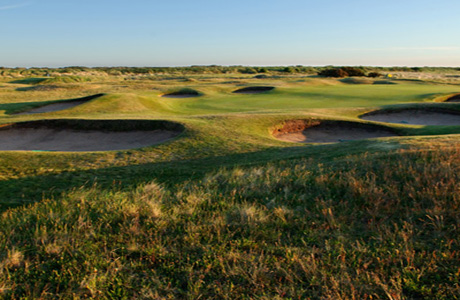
[[12, 108], [17, 192], [29, 81]]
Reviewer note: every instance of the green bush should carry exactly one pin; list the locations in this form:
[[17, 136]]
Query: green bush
[[353, 71], [374, 74], [342, 72], [333, 73]]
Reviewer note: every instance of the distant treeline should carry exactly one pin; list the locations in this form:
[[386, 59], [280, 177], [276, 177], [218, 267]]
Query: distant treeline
[[213, 69]]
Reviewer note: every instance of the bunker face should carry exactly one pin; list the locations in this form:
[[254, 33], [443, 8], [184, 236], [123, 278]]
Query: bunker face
[[51, 138], [414, 117], [182, 94], [254, 90], [300, 131], [60, 106], [455, 98]]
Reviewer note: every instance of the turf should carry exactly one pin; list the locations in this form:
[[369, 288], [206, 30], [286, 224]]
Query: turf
[[225, 210]]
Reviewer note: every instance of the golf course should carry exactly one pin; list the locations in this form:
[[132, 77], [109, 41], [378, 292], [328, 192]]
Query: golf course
[[227, 183]]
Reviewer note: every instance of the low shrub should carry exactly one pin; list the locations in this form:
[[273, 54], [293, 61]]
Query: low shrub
[[342, 72], [374, 74]]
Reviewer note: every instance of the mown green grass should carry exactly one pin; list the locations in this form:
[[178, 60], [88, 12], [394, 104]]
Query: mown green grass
[[226, 211]]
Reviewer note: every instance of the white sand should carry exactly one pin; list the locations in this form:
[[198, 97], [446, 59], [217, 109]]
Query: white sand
[[78, 140], [53, 107], [415, 117], [332, 134]]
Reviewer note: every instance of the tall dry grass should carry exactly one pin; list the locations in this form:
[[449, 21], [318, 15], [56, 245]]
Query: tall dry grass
[[382, 226]]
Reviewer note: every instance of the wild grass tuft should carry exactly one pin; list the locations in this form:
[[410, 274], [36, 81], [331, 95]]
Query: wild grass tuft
[[367, 227]]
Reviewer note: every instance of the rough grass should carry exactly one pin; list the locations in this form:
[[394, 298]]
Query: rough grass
[[366, 227]]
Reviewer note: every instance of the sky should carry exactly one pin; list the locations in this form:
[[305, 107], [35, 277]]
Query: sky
[[58, 33]]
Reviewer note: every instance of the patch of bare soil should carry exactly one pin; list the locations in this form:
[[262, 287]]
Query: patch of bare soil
[[254, 90], [60, 106], [308, 131], [415, 117], [53, 138]]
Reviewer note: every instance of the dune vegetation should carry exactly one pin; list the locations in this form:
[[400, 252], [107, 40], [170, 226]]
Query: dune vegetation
[[225, 209]]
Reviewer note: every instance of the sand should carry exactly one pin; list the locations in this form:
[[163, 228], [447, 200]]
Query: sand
[[46, 139], [333, 134], [53, 107], [414, 117], [60, 106]]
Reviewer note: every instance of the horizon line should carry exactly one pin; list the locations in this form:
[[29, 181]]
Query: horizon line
[[228, 66]]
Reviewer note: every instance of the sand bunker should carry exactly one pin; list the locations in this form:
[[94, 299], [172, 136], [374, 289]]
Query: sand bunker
[[254, 90], [308, 131], [455, 98], [184, 93], [415, 117], [60, 105], [86, 135]]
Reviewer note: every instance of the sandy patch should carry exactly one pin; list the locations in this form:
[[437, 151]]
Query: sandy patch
[[60, 106], [75, 140], [302, 131], [414, 117], [89, 135], [254, 90], [52, 107]]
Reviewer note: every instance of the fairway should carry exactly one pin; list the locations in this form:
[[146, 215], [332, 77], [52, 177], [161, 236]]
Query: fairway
[[222, 185]]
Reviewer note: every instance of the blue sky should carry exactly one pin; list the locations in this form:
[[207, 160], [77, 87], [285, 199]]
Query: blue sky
[[58, 33]]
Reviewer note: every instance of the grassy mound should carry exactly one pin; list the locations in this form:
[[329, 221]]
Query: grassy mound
[[31, 80], [39, 88], [384, 82], [355, 80], [182, 93], [67, 79]]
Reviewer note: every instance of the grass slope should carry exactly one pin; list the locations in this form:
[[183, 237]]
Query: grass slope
[[364, 227]]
